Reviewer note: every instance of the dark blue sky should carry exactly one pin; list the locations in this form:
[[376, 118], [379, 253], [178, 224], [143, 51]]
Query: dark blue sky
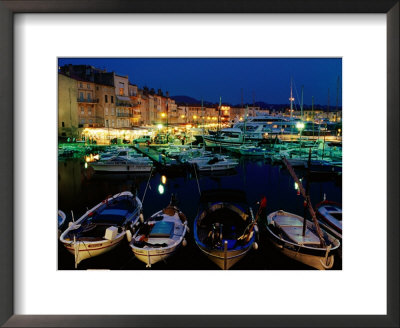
[[268, 79]]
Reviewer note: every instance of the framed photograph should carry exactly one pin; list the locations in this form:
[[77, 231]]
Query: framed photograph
[[82, 79]]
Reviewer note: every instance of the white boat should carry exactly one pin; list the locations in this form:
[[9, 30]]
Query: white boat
[[226, 137], [61, 221], [224, 228], [123, 164], [214, 163], [160, 236], [330, 215], [102, 227], [285, 230]]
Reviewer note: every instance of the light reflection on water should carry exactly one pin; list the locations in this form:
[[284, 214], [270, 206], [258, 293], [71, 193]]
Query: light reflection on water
[[80, 189]]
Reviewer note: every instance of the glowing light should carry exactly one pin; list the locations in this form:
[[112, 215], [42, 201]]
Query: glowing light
[[300, 125], [161, 189], [159, 126], [195, 117], [163, 179], [188, 126], [86, 166], [163, 114], [182, 116], [296, 186]]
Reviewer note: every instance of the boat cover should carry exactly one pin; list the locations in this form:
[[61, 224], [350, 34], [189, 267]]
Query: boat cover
[[114, 211], [162, 229]]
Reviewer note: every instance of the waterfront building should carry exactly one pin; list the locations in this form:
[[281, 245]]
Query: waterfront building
[[67, 107], [123, 104], [135, 101]]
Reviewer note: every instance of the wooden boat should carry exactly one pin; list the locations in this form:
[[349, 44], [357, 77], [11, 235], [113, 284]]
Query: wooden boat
[[285, 230], [329, 215], [102, 227], [225, 228], [61, 220], [160, 236]]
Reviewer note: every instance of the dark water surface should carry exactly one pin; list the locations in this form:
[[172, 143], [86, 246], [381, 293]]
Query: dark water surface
[[80, 189]]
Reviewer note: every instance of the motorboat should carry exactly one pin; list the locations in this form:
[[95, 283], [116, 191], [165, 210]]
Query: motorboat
[[225, 229], [213, 163], [123, 164], [226, 137], [160, 235], [103, 227]]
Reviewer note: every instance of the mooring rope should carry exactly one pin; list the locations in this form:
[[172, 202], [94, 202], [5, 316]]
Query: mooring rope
[[148, 182], [195, 172]]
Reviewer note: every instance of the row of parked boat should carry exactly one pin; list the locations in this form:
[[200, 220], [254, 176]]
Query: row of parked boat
[[225, 230]]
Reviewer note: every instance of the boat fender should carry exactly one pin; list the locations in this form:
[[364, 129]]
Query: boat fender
[[255, 246], [141, 217], [184, 242], [128, 236], [257, 231]]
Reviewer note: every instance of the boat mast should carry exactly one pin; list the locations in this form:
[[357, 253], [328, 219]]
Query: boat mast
[[312, 114], [337, 98], [202, 113], [291, 107], [301, 105]]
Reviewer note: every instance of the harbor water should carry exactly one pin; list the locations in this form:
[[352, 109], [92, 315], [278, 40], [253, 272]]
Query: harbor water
[[80, 188]]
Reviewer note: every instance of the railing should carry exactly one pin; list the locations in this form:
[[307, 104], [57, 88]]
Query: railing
[[124, 115], [127, 104], [87, 101]]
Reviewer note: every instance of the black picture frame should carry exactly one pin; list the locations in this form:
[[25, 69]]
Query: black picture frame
[[7, 10]]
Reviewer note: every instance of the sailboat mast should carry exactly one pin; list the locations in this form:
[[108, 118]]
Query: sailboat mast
[[301, 105], [291, 98]]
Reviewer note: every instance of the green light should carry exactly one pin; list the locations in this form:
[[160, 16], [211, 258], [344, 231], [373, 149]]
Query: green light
[[85, 165], [161, 189]]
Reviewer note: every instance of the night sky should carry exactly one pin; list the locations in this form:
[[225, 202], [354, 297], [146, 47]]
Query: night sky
[[265, 79]]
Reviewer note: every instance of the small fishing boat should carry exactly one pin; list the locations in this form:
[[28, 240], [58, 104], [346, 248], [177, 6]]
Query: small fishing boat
[[160, 236], [102, 227], [225, 228], [61, 221], [285, 230], [123, 164], [329, 215]]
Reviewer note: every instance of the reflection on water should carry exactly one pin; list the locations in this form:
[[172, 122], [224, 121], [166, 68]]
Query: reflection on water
[[80, 189]]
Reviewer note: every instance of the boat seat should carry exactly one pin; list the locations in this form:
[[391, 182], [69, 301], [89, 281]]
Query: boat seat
[[295, 234], [283, 220]]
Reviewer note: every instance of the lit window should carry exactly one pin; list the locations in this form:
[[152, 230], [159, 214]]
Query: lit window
[[106, 111]]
